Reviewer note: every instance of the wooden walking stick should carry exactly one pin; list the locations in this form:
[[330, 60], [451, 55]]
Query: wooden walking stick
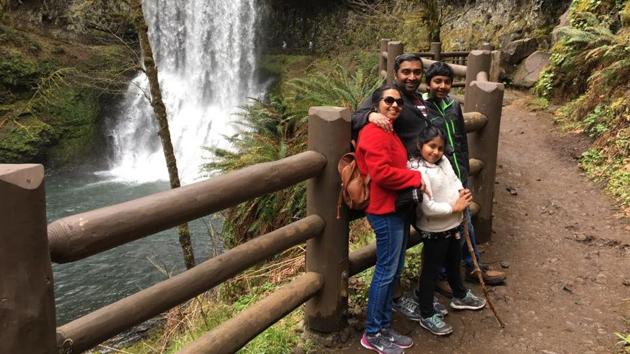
[[477, 271]]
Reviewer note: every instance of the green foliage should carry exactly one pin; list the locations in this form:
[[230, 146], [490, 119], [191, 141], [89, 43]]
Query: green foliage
[[544, 85], [338, 88], [206, 313], [23, 142], [590, 68], [17, 73], [274, 129], [266, 131], [624, 341], [36, 87]]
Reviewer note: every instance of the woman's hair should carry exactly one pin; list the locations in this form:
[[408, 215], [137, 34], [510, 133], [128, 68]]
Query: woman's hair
[[378, 94], [427, 134], [439, 69]]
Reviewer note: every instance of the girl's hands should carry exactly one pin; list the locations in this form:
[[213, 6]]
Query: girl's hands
[[381, 121], [463, 202]]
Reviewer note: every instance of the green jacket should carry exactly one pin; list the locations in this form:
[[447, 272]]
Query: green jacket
[[447, 114]]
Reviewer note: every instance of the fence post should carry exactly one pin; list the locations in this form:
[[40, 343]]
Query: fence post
[[478, 61], [487, 98], [394, 49], [382, 60], [436, 50], [27, 304], [328, 134]]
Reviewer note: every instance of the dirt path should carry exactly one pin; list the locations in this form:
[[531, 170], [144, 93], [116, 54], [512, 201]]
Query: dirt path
[[567, 247]]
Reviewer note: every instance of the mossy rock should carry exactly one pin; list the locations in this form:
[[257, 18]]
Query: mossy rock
[[75, 117], [17, 73], [25, 142]]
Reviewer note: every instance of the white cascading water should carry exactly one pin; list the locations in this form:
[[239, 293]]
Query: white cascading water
[[206, 60]]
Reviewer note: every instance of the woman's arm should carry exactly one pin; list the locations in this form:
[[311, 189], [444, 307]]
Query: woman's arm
[[376, 145]]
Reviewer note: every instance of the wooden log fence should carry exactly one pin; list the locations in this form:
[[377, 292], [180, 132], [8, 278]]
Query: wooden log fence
[[28, 245]]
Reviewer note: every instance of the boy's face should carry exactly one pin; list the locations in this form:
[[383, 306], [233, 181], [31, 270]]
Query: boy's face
[[440, 86]]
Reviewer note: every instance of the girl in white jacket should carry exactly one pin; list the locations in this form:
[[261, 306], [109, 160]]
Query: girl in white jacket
[[439, 218]]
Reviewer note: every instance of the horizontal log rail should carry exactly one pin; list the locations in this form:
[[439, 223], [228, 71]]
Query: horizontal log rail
[[459, 99], [104, 323], [458, 70], [474, 121], [474, 208], [365, 257], [455, 54], [475, 167], [82, 235], [233, 334]]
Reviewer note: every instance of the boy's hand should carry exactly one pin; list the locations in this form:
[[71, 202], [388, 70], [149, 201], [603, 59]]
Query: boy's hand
[[381, 121]]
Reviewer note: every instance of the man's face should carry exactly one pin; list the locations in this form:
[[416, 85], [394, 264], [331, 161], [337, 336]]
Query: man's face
[[409, 75], [440, 86]]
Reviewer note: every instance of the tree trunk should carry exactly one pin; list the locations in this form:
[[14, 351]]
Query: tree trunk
[[160, 114]]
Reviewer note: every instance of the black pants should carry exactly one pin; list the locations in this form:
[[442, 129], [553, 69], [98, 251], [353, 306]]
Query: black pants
[[438, 251]]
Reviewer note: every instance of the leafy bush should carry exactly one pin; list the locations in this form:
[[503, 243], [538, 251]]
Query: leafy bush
[[590, 68]]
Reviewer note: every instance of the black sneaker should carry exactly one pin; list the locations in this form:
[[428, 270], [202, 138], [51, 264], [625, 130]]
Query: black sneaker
[[439, 308], [408, 306], [397, 339], [379, 344], [468, 302], [436, 325]]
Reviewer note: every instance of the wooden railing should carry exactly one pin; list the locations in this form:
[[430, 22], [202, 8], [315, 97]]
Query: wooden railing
[[28, 244]]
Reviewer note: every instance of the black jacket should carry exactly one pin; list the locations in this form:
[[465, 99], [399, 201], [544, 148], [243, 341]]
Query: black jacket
[[447, 114], [408, 125]]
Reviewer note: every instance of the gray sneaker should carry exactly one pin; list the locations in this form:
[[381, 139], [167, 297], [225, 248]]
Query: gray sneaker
[[409, 307], [380, 344], [436, 325], [468, 302], [397, 339]]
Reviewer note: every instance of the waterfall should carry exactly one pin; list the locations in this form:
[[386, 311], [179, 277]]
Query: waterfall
[[206, 61]]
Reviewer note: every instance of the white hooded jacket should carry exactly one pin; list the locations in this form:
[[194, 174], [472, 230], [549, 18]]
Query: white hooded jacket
[[436, 212]]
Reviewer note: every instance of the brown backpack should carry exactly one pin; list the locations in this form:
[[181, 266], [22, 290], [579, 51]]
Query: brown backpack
[[355, 188]]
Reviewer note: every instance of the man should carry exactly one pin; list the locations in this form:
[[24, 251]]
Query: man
[[408, 75]]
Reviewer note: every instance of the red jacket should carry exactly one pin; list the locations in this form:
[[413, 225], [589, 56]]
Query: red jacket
[[383, 157]]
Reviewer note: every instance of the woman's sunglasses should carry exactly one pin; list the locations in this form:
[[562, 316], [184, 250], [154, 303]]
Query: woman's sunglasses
[[389, 100]]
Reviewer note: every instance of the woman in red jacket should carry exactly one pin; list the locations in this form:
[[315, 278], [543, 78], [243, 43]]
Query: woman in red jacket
[[382, 156]]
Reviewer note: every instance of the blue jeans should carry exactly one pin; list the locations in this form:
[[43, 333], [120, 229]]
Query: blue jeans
[[390, 256]]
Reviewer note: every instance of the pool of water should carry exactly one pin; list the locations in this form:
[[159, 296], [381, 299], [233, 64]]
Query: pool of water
[[86, 285]]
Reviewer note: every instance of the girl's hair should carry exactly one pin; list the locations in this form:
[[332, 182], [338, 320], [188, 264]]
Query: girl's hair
[[378, 94], [426, 135]]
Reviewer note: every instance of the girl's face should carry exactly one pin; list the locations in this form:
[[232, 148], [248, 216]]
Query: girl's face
[[390, 104], [433, 150]]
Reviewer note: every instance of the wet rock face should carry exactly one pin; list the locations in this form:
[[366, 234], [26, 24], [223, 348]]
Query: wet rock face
[[501, 22], [514, 52], [529, 70]]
